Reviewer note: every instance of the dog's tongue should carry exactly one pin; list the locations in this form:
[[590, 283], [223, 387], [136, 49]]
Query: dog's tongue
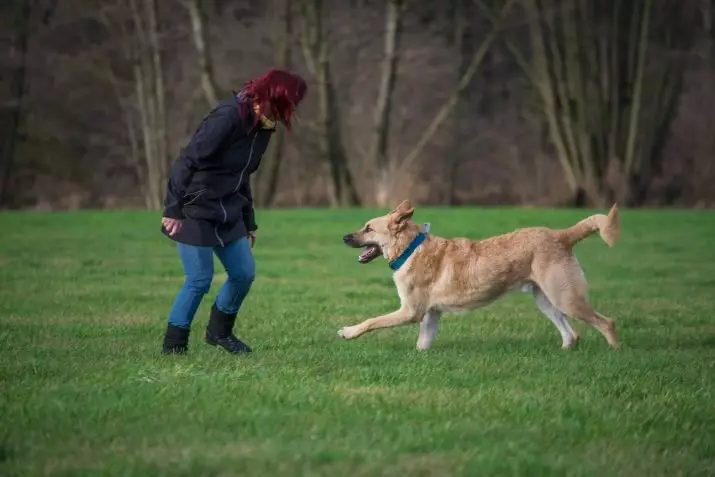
[[367, 254]]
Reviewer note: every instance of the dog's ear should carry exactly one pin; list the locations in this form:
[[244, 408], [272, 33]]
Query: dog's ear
[[404, 211]]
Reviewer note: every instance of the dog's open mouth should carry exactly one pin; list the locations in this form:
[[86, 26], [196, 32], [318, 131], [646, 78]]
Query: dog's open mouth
[[370, 253]]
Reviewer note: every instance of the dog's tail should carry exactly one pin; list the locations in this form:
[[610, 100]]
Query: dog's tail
[[608, 226]]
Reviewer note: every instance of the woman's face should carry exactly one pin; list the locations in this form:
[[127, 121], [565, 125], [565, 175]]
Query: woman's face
[[268, 110]]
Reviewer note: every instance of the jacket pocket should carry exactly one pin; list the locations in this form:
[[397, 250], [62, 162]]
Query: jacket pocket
[[193, 196], [203, 207]]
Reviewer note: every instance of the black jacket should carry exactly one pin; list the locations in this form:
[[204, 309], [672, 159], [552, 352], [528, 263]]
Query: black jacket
[[209, 186]]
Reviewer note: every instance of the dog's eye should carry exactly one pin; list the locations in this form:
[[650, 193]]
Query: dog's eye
[[368, 228]]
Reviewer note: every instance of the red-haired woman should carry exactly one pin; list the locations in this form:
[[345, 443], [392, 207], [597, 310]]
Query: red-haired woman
[[208, 207]]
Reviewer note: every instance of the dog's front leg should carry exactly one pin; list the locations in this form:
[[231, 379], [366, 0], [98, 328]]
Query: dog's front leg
[[428, 329], [403, 316]]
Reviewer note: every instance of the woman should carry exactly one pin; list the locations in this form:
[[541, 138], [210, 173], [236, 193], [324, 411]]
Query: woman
[[209, 205]]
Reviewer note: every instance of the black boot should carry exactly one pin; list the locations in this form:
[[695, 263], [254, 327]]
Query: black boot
[[176, 340], [219, 332]]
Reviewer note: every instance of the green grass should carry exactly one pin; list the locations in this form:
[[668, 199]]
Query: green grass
[[84, 390]]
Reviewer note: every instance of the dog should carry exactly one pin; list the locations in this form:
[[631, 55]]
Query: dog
[[434, 275]]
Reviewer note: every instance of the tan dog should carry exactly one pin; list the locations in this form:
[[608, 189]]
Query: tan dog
[[434, 275]]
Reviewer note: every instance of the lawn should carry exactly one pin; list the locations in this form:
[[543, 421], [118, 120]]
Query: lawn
[[83, 303]]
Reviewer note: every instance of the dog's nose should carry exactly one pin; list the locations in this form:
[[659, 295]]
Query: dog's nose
[[347, 237]]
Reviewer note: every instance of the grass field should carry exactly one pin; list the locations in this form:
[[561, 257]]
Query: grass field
[[83, 300]]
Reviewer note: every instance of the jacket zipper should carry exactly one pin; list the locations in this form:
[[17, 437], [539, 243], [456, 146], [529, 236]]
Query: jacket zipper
[[238, 184], [248, 163], [218, 237]]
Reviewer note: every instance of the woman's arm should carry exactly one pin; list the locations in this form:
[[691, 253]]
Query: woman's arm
[[214, 130]]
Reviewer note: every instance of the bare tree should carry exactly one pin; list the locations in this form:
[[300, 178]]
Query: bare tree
[[200, 39], [149, 83], [461, 44], [315, 47], [592, 81], [591, 116], [18, 57], [270, 172], [464, 81], [116, 18], [381, 128], [708, 15]]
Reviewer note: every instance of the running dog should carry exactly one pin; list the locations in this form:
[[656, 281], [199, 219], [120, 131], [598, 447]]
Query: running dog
[[434, 275]]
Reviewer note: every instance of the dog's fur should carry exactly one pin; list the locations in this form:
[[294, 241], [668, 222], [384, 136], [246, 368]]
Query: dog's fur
[[452, 275]]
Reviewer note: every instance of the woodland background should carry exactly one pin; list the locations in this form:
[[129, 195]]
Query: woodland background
[[529, 102]]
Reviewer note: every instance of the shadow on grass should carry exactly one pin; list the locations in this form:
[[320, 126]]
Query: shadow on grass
[[673, 343], [496, 344], [6, 453]]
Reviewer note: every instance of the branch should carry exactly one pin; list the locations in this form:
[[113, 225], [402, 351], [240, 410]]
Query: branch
[[464, 81], [391, 53], [542, 83], [638, 89], [307, 46], [208, 82]]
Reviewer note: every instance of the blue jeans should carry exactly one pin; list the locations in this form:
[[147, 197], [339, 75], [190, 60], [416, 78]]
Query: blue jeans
[[198, 263]]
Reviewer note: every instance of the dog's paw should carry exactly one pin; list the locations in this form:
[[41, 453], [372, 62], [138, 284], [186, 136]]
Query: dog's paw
[[346, 332], [571, 343]]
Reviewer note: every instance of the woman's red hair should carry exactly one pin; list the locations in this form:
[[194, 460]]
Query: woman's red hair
[[277, 90]]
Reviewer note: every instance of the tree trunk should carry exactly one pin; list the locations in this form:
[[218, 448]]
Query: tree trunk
[[152, 176], [135, 154], [200, 38], [461, 45], [635, 109], [270, 174], [159, 95], [17, 88], [315, 51], [343, 190], [150, 96], [379, 151], [707, 13], [606, 115]]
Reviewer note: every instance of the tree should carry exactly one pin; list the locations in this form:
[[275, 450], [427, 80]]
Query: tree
[[381, 128], [708, 15], [205, 62], [444, 112], [607, 106], [132, 64], [18, 56], [315, 47], [270, 172], [150, 97]]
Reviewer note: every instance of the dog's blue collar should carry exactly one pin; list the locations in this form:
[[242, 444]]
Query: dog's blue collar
[[402, 258]]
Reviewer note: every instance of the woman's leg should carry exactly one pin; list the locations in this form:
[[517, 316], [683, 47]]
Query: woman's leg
[[199, 269], [238, 261]]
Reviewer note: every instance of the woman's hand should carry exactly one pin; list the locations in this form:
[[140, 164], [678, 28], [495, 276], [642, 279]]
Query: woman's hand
[[172, 226], [252, 238]]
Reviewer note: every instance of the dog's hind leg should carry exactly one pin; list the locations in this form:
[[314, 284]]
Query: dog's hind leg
[[565, 287], [403, 316], [428, 329], [569, 337], [578, 307]]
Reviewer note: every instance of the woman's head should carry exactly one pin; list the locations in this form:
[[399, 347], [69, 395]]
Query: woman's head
[[275, 95]]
